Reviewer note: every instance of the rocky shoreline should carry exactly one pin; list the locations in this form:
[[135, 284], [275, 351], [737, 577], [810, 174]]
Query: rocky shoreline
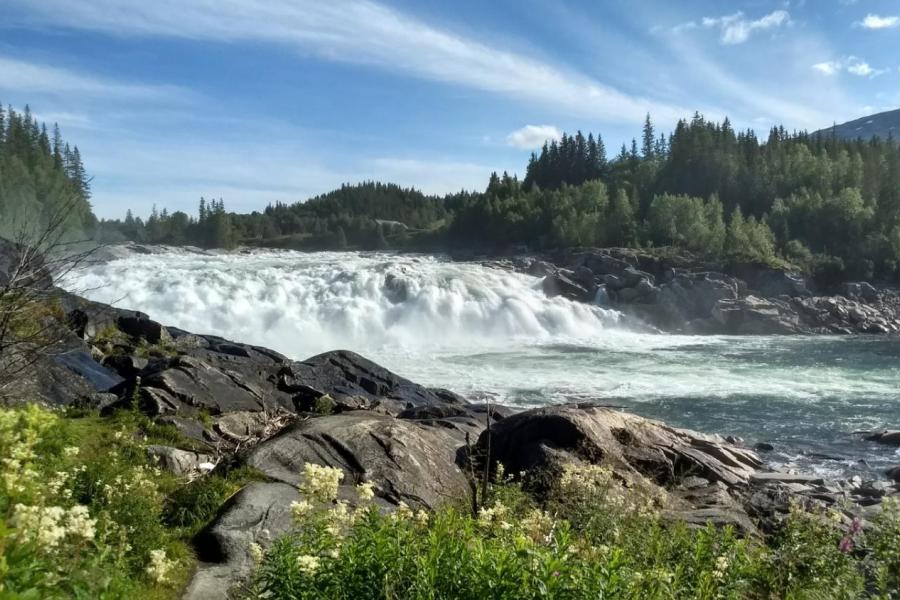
[[680, 294], [249, 406]]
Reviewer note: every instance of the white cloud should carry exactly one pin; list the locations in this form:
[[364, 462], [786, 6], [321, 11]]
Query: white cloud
[[878, 22], [737, 29], [828, 68], [21, 76], [360, 32], [850, 64], [533, 136]]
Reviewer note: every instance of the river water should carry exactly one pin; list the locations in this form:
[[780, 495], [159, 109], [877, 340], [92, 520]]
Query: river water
[[490, 334]]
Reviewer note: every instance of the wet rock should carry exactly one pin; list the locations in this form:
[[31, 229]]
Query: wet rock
[[887, 437], [763, 447], [783, 477], [893, 474], [563, 283]]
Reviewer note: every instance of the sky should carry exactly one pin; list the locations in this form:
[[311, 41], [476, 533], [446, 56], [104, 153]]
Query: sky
[[258, 101]]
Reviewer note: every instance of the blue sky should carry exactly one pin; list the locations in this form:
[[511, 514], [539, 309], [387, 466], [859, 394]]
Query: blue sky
[[262, 100]]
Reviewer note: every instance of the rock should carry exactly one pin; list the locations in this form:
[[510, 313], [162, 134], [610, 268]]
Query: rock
[[861, 289], [770, 282], [763, 447], [138, 325], [754, 316], [540, 268], [893, 474], [258, 514], [781, 477], [887, 437], [342, 374], [562, 283], [545, 438], [406, 460], [178, 462]]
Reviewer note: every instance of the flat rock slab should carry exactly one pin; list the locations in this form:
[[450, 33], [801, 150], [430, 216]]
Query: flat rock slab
[[781, 477], [407, 461]]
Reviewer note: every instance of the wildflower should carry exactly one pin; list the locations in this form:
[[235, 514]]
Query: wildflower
[[721, 567], [43, 524], [308, 564], [71, 451], [500, 471], [256, 553], [493, 515], [537, 524], [422, 517], [300, 509], [365, 491], [334, 553], [160, 566], [403, 512], [80, 522], [321, 482]]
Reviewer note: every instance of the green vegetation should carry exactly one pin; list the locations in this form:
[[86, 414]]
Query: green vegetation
[[85, 514], [589, 538], [41, 176], [827, 205]]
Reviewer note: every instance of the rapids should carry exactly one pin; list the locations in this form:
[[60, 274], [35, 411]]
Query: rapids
[[494, 335]]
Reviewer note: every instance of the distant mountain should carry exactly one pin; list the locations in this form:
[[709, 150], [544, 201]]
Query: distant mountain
[[880, 125]]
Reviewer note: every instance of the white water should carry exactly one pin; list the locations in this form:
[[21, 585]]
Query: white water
[[491, 334]]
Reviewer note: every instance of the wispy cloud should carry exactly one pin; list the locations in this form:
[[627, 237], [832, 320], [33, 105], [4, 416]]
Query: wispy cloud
[[361, 32], [23, 76], [878, 22], [533, 136], [737, 29], [850, 64]]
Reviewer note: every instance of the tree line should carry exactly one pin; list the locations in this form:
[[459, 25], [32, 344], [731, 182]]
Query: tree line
[[40, 176], [826, 204]]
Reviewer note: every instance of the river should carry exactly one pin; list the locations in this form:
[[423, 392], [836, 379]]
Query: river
[[491, 334]]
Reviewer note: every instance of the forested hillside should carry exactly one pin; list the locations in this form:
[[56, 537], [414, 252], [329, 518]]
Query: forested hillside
[[40, 175], [825, 204], [883, 125]]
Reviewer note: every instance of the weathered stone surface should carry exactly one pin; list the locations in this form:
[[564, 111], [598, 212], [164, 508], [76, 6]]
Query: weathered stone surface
[[406, 460], [343, 374], [541, 438], [179, 462], [259, 513]]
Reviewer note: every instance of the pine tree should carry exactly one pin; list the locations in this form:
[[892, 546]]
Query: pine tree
[[648, 146]]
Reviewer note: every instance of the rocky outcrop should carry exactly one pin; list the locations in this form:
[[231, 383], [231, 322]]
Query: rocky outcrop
[[683, 294], [407, 460], [546, 438]]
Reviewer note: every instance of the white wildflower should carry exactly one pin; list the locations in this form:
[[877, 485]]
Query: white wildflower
[[256, 552], [365, 491], [308, 564], [321, 482], [160, 566]]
